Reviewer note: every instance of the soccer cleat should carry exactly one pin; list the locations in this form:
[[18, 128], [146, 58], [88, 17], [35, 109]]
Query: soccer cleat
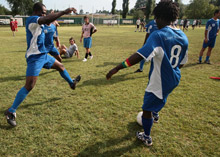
[[199, 62], [10, 118], [138, 71], [91, 57], [156, 118], [84, 60], [147, 140], [75, 81], [207, 62]]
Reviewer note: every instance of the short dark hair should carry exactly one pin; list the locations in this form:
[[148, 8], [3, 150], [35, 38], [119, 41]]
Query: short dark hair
[[72, 39], [85, 17], [216, 11], [167, 11], [38, 6]]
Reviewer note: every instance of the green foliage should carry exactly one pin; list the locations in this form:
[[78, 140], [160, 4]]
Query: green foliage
[[22, 7], [138, 14], [4, 11], [125, 7], [149, 8], [200, 9], [140, 4], [113, 6]]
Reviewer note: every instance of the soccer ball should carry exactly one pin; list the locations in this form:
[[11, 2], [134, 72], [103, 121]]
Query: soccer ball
[[139, 118]]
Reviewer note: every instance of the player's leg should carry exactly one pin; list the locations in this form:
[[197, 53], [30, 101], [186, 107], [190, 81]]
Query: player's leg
[[207, 60], [205, 45], [64, 74], [56, 54], [34, 66]]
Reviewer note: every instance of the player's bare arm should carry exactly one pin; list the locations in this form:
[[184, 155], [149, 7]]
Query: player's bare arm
[[146, 37], [206, 36], [52, 17], [132, 60], [81, 37]]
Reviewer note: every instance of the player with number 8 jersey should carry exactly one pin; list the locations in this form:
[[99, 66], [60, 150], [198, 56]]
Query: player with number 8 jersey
[[167, 50]]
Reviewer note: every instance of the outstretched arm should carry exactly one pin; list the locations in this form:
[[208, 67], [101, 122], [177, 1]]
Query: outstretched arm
[[52, 17], [132, 60]]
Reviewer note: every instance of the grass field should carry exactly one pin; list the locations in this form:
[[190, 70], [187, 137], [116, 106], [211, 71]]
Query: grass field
[[99, 118]]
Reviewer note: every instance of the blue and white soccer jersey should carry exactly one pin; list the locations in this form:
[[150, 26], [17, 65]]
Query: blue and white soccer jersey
[[50, 32], [151, 27], [167, 50], [36, 54], [212, 27]]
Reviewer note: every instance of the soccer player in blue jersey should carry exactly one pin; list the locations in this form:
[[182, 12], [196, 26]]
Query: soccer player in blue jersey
[[211, 32], [50, 35], [37, 57], [150, 28], [167, 50]]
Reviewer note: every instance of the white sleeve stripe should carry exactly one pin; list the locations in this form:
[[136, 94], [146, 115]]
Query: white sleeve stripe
[[38, 19]]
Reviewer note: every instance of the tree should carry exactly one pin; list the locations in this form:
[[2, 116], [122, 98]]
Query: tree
[[22, 7], [200, 9], [125, 7], [4, 11], [113, 6], [138, 14], [149, 8], [140, 4]]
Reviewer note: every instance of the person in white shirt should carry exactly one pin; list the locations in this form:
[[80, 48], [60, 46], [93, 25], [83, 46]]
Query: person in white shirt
[[138, 22]]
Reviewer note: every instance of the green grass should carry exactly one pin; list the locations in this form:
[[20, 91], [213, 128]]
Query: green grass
[[99, 118]]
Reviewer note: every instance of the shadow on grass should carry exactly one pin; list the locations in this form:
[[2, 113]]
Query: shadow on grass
[[39, 103], [19, 78], [107, 64], [96, 149], [190, 65], [115, 79], [23, 51]]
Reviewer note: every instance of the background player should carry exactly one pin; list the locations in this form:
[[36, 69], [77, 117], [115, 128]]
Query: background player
[[37, 57], [150, 28], [167, 51], [211, 32], [16, 25], [88, 29], [12, 26], [138, 22], [50, 34], [69, 52]]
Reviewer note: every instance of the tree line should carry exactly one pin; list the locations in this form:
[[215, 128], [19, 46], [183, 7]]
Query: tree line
[[196, 9]]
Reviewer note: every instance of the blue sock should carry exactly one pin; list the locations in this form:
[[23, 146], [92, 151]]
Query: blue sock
[[147, 125], [200, 58], [21, 95], [66, 76], [142, 65], [207, 58]]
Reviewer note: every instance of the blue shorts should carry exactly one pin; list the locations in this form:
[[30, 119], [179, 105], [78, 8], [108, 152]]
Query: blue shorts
[[88, 42], [36, 62], [211, 43], [53, 51], [153, 103]]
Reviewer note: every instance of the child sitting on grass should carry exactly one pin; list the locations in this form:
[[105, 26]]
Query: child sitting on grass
[[69, 52]]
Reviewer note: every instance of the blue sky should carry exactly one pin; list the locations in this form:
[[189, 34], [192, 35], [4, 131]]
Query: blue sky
[[86, 5]]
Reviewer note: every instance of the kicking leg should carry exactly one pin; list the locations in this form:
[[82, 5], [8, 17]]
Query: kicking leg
[[63, 72]]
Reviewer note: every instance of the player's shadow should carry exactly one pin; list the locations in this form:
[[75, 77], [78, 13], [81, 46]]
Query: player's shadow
[[115, 79], [97, 149], [107, 64], [19, 78], [190, 65], [68, 60], [40, 103]]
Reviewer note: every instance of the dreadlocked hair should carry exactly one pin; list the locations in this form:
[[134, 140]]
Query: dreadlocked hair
[[167, 11]]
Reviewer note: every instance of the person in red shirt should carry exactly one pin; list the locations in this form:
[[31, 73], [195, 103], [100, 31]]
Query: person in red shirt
[[12, 25], [16, 25]]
